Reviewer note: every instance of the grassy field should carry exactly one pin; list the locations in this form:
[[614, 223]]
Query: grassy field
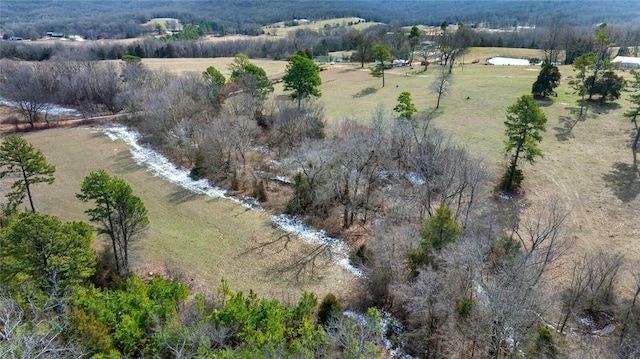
[[208, 239], [279, 28]]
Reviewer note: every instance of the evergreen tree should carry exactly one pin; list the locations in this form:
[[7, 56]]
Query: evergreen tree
[[548, 79], [524, 124], [53, 256], [405, 107], [379, 54], [20, 159]]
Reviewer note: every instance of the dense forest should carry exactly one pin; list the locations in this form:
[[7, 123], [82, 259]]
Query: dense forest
[[445, 246]]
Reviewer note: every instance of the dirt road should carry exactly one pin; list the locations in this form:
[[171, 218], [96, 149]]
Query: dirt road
[[25, 127]]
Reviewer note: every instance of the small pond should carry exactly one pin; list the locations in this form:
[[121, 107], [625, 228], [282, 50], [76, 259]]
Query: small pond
[[508, 61]]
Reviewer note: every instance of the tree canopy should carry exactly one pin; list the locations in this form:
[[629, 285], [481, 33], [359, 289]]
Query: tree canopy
[[21, 160], [302, 78], [53, 256], [405, 107], [214, 76], [251, 78]]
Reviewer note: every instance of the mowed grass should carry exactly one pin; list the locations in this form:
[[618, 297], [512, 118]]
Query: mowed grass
[[206, 238]]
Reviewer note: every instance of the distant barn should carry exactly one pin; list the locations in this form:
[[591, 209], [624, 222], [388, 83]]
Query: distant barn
[[626, 62]]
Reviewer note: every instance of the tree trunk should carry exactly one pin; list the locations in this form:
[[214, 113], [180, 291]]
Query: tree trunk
[[345, 198], [26, 185], [513, 166], [634, 148]]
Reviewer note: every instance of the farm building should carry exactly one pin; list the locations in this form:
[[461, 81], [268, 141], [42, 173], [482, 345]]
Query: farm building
[[626, 62]]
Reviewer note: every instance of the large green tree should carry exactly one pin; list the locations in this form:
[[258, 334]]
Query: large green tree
[[121, 214], [251, 78], [379, 54], [40, 251], [548, 79], [21, 160], [524, 124], [302, 78], [595, 75]]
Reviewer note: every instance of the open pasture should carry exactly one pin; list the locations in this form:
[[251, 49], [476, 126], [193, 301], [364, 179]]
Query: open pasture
[[206, 238]]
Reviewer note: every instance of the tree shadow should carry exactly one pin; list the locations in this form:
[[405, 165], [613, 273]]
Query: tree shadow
[[598, 108], [543, 101], [623, 181], [307, 265], [368, 91], [181, 196], [564, 130]]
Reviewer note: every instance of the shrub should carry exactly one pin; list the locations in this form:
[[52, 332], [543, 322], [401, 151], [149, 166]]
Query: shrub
[[465, 307], [259, 192], [329, 309], [359, 256]]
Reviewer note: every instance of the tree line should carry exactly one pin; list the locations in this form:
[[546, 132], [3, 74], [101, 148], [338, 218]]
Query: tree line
[[562, 41], [124, 19]]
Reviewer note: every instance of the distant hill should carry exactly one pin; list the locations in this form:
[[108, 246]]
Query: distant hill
[[120, 19]]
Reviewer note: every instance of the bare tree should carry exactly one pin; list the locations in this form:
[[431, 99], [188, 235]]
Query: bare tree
[[30, 89], [441, 83], [552, 39], [629, 339], [592, 285], [356, 175], [30, 334], [514, 297]]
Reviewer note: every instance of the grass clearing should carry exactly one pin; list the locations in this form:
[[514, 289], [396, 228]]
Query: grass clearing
[[281, 30], [208, 239], [184, 65]]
